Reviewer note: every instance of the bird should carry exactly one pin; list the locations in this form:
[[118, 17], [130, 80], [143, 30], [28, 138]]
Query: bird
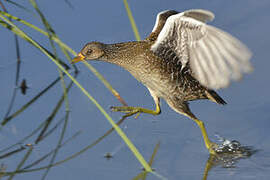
[[183, 59]]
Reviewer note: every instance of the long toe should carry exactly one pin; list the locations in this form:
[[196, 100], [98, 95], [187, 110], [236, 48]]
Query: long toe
[[120, 109], [212, 148]]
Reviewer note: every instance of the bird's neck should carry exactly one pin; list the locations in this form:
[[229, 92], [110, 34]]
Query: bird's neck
[[121, 54]]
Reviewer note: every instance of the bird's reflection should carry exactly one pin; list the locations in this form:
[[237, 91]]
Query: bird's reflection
[[228, 154]]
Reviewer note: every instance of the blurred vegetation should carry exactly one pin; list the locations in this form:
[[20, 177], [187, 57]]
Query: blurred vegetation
[[45, 129], [51, 124]]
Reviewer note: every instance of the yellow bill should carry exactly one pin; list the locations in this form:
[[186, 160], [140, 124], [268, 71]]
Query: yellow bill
[[78, 58]]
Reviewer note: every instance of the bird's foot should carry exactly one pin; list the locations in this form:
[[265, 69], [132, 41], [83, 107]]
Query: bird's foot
[[133, 110], [128, 110], [212, 148]]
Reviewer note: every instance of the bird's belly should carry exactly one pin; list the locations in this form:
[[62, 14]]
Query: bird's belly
[[152, 81], [167, 87], [163, 86]]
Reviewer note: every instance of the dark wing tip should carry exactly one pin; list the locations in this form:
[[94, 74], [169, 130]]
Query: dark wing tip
[[160, 22]]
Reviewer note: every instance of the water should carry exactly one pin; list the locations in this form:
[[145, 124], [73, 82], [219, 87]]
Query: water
[[181, 153]]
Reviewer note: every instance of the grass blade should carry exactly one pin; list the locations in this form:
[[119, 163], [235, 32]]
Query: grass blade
[[52, 115], [152, 158], [22, 162], [12, 152], [132, 22], [24, 170], [23, 35], [20, 6], [57, 147], [24, 107], [50, 153], [66, 47]]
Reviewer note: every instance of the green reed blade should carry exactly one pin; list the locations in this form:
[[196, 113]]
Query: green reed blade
[[63, 45], [132, 22], [12, 27]]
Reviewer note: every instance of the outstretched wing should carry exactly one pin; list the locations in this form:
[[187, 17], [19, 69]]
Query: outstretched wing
[[214, 56], [160, 21], [198, 14]]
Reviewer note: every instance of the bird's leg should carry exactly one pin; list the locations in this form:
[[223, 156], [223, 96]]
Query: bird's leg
[[183, 108], [134, 110], [211, 146], [137, 110]]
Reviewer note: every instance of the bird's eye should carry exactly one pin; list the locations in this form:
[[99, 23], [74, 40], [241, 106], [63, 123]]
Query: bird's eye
[[89, 51]]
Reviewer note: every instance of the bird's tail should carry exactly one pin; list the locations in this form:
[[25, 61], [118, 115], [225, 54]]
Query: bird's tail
[[213, 96]]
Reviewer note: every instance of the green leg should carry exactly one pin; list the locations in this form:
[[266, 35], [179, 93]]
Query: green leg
[[208, 144], [137, 110], [134, 110]]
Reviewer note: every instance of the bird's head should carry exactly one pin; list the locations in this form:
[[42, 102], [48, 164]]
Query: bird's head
[[91, 51]]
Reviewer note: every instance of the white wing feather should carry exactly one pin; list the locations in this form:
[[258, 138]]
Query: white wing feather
[[215, 57]]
